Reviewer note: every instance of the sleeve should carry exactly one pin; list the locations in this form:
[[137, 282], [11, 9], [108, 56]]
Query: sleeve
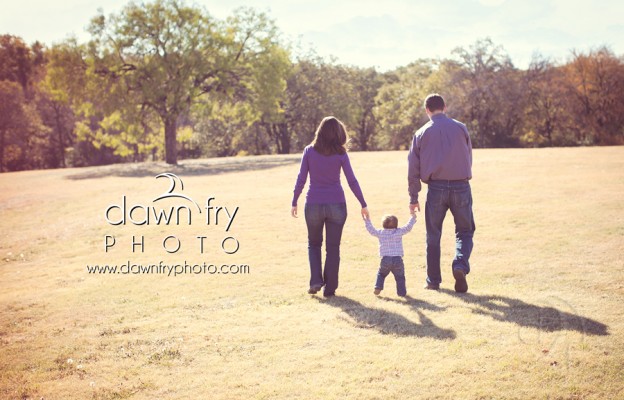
[[407, 227], [469, 145], [301, 178], [352, 181], [371, 229], [413, 170]]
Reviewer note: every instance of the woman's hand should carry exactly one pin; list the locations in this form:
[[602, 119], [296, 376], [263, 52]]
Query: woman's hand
[[293, 211], [365, 214]]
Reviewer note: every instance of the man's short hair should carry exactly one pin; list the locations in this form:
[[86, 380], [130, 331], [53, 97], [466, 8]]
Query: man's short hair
[[434, 102]]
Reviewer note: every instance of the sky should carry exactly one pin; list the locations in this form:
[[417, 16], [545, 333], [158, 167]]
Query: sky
[[375, 33]]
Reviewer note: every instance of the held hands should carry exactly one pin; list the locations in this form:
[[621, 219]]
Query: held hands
[[414, 207]]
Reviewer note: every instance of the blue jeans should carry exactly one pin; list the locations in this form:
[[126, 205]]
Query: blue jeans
[[332, 217], [395, 265], [441, 197]]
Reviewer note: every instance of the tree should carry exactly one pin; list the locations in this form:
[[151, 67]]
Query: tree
[[169, 55], [21, 131], [366, 84], [492, 94], [317, 88], [596, 81], [15, 64], [547, 117], [16, 127], [59, 91], [269, 97], [399, 108]]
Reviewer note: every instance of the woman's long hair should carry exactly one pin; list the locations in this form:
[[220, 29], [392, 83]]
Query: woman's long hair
[[330, 137]]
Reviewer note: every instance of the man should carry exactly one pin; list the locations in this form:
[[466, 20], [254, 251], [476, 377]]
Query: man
[[441, 156]]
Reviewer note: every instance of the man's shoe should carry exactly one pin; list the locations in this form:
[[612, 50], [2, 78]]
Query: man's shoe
[[327, 294], [377, 291], [431, 286], [461, 286], [314, 289]]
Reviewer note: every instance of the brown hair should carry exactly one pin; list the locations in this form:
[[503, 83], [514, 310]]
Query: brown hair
[[330, 137], [434, 102], [390, 222]]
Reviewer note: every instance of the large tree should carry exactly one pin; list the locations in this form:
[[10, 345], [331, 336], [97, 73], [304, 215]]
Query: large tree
[[491, 96], [399, 104], [596, 81], [365, 84], [547, 116], [169, 54], [317, 88]]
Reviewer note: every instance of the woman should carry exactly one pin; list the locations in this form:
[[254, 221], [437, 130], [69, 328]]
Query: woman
[[325, 205]]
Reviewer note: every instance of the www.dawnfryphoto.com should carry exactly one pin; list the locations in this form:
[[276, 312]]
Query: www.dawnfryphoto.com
[[162, 268]]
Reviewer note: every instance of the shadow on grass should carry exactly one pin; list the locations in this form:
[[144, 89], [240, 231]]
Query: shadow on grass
[[415, 304], [386, 322], [546, 318], [212, 166]]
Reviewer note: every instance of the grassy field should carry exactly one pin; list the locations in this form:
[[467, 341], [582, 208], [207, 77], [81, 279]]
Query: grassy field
[[542, 319]]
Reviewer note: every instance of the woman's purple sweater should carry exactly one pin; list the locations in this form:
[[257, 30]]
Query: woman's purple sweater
[[324, 172]]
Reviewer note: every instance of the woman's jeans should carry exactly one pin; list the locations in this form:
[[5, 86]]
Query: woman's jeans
[[441, 197], [332, 217]]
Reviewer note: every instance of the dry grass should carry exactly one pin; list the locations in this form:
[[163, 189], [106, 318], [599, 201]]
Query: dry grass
[[543, 318]]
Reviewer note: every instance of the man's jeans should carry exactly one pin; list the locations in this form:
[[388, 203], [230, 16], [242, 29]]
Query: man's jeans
[[332, 217], [442, 196], [395, 265]]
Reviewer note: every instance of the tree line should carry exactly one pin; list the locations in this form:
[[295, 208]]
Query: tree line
[[164, 80]]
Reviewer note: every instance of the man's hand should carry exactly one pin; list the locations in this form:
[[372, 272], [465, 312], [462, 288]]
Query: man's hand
[[293, 211], [365, 214], [414, 207]]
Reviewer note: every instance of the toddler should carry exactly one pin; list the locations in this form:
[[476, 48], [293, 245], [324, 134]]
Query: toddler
[[391, 250]]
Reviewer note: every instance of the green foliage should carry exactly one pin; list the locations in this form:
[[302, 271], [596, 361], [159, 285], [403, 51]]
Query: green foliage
[[168, 55], [399, 104]]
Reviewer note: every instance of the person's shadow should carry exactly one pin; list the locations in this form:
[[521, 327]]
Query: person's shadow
[[544, 318], [387, 322]]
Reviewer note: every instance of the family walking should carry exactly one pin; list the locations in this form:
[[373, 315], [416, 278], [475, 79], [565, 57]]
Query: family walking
[[440, 156]]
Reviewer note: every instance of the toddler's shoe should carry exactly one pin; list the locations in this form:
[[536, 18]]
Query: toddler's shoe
[[314, 289]]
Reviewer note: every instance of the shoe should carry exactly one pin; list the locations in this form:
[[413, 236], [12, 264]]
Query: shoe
[[431, 286], [402, 295], [461, 286], [314, 289], [325, 294], [377, 291]]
